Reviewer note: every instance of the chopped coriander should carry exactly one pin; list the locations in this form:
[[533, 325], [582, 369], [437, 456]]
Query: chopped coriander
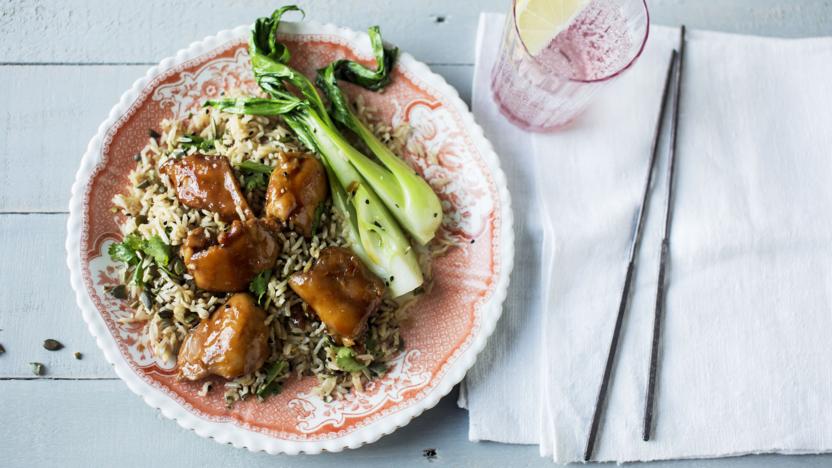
[[259, 284], [316, 223], [156, 248], [270, 387], [251, 166], [202, 144], [345, 360]]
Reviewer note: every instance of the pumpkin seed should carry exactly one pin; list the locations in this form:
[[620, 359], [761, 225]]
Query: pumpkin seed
[[147, 301], [78, 355], [118, 292], [166, 314], [37, 368], [178, 267], [2, 349], [52, 345]]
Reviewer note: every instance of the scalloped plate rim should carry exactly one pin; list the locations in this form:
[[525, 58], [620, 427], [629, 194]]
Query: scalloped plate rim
[[225, 432]]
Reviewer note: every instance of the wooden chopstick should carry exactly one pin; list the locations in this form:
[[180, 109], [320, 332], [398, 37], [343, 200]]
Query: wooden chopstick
[[625, 292], [649, 402]]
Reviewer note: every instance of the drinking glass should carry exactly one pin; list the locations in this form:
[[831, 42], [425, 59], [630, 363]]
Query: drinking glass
[[545, 92]]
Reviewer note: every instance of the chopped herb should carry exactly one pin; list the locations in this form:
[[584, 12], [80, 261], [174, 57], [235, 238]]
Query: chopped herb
[[260, 283], [122, 253], [254, 181], [196, 141], [127, 251], [38, 368], [256, 174], [270, 387], [78, 355], [372, 345], [316, 223], [251, 166], [156, 248], [345, 360], [52, 345]]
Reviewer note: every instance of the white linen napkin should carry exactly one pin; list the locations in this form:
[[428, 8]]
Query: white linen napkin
[[744, 364]]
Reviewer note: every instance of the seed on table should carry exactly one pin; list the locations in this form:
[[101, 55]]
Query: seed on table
[[37, 368], [78, 355], [2, 349], [52, 345]]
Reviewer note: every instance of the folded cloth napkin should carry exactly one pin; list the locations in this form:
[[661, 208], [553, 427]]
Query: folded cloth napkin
[[744, 363]]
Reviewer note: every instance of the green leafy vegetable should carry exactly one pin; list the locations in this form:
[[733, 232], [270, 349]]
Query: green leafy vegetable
[[156, 248], [202, 144], [127, 251], [373, 232], [122, 253], [270, 387], [345, 360], [408, 197], [259, 284]]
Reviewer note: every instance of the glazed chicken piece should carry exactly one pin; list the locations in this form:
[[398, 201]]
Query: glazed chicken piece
[[229, 262], [297, 187], [207, 183], [233, 342], [341, 290]]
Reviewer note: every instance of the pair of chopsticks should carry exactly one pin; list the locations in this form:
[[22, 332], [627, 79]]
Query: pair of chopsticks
[[675, 65]]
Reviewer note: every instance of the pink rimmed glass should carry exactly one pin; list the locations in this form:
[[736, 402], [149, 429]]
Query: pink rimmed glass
[[545, 92]]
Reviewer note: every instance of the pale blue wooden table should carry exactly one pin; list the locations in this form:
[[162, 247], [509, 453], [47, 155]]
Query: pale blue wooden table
[[63, 64]]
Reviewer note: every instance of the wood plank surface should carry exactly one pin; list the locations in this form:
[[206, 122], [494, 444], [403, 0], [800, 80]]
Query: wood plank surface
[[435, 31], [95, 423], [38, 302]]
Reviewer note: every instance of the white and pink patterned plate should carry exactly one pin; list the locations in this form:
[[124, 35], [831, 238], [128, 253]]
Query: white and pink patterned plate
[[449, 326]]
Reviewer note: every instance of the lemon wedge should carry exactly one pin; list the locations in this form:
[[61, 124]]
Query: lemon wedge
[[540, 21]]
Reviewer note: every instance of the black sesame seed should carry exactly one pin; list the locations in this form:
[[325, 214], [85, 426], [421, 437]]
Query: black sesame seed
[[472, 241], [435, 215]]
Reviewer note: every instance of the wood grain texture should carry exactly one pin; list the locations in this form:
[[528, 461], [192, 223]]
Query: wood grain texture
[[435, 31], [49, 113], [100, 423], [38, 302]]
